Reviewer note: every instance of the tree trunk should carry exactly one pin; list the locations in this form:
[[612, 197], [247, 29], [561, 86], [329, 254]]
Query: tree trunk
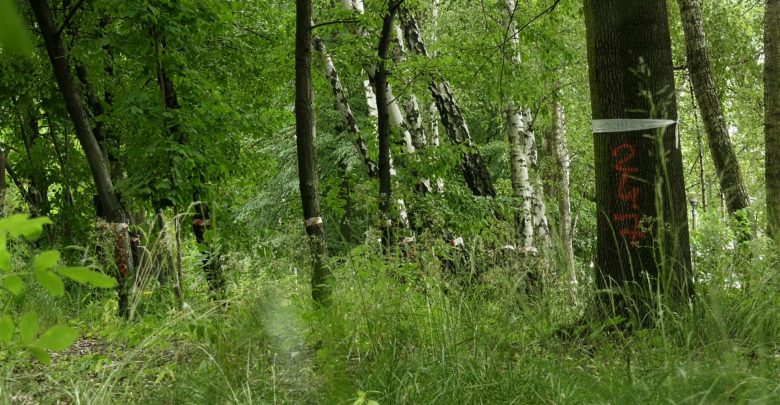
[[2, 182], [642, 246], [110, 207], [475, 173], [517, 125], [700, 71], [387, 118], [772, 114], [342, 105], [561, 154], [307, 155], [201, 220]]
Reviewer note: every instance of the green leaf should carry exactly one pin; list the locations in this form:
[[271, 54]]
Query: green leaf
[[40, 354], [22, 225], [5, 260], [13, 35], [58, 337], [85, 275], [14, 284], [46, 260], [28, 327], [6, 329], [51, 282]]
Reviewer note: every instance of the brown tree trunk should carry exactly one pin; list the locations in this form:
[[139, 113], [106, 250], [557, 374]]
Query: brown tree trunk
[[307, 154], [110, 207], [772, 114], [384, 124], [642, 247], [722, 151]]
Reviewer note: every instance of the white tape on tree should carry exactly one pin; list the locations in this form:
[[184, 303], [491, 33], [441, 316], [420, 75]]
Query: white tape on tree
[[628, 124]]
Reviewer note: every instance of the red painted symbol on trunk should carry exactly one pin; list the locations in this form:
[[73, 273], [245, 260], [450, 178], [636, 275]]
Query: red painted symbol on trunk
[[624, 153]]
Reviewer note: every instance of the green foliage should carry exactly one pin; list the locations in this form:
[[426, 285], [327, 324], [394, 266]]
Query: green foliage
[[44, 270], [13, 35]]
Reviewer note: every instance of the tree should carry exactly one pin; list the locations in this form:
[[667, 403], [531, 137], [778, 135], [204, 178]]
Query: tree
[[723, 156], [307, 155], [110, 208], [772, 114], [642, 232]]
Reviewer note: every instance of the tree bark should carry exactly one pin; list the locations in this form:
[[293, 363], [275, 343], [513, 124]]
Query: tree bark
[[386, 110], [561, 154], [772, 114], [517, 125], [345, 111], [110, 207], [475, 172], [721, 149], [642, 247], [307, 155]]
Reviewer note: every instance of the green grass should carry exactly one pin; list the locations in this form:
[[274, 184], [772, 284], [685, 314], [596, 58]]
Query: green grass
[[404, 331]]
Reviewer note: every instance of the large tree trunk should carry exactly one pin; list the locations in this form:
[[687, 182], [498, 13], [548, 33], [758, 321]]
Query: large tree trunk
[[110, 207], [642, 246], [700, 71], [772, 114], [307, 155]]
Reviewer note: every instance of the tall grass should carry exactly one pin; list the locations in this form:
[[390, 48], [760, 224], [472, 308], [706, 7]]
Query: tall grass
[[406, 330]]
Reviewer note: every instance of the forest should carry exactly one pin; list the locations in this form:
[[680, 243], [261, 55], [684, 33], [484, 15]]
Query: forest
[[389, 201]]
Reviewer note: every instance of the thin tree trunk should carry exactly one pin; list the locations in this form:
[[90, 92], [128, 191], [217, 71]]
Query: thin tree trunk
[[307, 154], [772, 114], [3, 164], [387, 107], [517, 125], [722, 151], [642, 248], [561, 153], [201, 220], [109, 201]]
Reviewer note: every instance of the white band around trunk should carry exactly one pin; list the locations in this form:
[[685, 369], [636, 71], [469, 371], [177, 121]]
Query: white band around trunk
[[627, 124]]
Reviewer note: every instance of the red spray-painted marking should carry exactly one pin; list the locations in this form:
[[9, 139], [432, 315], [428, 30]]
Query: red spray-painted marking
[[624, 153]]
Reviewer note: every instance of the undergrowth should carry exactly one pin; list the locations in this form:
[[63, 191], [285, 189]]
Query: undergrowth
[[412, 329]]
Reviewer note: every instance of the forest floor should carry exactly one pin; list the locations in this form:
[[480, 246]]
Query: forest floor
[[400, 332]]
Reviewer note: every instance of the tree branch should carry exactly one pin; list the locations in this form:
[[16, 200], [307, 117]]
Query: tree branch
[[69, 17]]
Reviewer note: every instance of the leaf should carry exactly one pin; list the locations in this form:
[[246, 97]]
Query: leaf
[[5, 260], [6, 329], [14, 284], [85, 275], [22, 225], [46, 260], [28, 327], [51, 282], [40, 354], [58, 337], [13, 35]]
